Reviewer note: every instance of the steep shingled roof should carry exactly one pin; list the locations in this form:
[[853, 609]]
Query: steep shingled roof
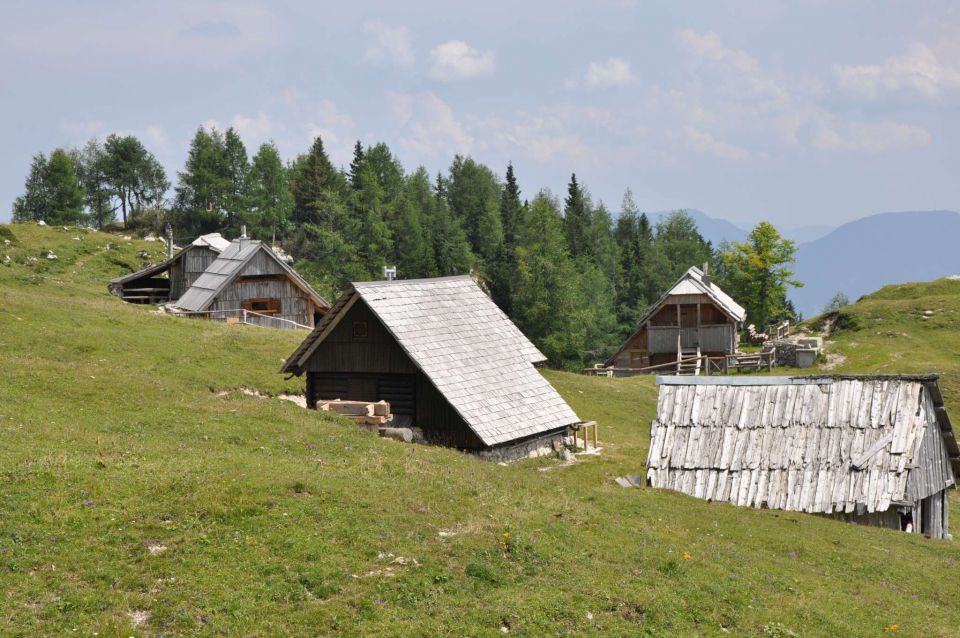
[[811, 444], [468, 348], [228, 267]]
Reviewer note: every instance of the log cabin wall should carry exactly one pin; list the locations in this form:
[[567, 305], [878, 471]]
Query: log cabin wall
[[192, 263], [360, 360], [263, 280], [693, 318]]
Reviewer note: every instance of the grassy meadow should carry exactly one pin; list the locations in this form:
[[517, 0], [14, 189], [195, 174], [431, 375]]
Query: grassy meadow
[[139, 499]]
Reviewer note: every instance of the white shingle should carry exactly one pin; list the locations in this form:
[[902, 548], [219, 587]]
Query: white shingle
[[469, 349]]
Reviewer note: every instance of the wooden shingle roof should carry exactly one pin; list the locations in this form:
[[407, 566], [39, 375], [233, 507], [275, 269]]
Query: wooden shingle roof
[[228, 267], [467, 347], [811, 444]]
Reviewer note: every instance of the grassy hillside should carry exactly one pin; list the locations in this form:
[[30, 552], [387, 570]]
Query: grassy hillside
[[135, 500]]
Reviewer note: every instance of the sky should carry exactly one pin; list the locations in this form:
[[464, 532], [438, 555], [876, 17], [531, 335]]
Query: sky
[[799, 113]]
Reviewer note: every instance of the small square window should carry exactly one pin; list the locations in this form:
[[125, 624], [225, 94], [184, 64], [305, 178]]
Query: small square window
[[359, 329]]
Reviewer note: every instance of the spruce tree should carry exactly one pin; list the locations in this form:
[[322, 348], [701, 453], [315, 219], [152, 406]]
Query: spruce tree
[[576, 218], [355, 165], [63, 193], [502, 270], [236, 165], [314, 184], [33, 204]]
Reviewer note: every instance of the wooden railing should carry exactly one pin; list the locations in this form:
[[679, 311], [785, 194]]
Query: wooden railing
[[710, 338], [709, 365]]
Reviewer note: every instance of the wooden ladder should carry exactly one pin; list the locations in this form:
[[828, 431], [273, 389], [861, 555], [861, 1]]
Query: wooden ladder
[[688, 361]]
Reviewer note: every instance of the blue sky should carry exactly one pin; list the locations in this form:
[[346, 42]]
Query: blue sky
[[799, 113]]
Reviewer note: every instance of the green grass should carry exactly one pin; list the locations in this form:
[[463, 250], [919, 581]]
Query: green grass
[[280, 521]]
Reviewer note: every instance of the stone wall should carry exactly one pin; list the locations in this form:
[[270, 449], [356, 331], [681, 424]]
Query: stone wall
[[540, 446], [787, 353]]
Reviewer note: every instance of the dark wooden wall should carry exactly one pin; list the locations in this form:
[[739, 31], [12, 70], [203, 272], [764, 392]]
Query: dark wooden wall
[[360, 360]]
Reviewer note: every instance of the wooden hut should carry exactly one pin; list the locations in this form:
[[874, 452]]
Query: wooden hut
[[168, 280], [249, 281], [443, 354], [876, 450], [693, 318]]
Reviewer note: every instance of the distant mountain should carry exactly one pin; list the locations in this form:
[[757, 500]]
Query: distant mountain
[[863, 255], [803, 234], [713, 229]]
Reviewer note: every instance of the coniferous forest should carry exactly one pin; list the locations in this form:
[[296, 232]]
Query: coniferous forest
[[572, 274]]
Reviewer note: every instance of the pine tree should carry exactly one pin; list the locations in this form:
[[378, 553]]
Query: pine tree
[[91, 165], [503, 267], [315, 187], [548, 301], [413, 240], [33, 204], [681, 243], [268, 189], [758, 273], [473, 195], [63, 193], [355, 165], [576, 217], [204, 185], [236, 166], [367, 230], [450, 246], [137, 180]]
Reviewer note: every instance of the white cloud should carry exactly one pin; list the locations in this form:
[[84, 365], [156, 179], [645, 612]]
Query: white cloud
[[253, 128], [456, 60], [611, 72], [709, 46], [203, 34], [389, 44], [868, 137], [429, 126], [918, 71], [704, 142], [152, 135]]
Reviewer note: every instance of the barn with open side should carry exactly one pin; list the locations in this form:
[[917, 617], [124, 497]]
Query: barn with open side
[[168, 280], [693, 318], [442, 353], [877, 450], [248, 279]]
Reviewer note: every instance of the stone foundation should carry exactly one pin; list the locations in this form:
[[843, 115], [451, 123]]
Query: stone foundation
[[540, 446]]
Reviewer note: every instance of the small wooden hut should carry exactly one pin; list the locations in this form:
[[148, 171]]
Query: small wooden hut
[[876, 450], [693, 318], [249, 281], [442, 353], [168, 280]]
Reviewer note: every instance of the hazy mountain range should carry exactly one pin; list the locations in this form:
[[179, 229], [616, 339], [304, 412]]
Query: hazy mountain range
[[860, 256]]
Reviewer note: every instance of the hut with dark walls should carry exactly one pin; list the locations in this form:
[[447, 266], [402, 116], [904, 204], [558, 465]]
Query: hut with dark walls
[[248, 281], [876, 450], [168, 280], [442, 353], [693, 318]]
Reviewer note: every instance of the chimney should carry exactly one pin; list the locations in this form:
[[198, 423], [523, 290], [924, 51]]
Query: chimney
[[169, 241], [706, 273], [243, 232], [390, 273]]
